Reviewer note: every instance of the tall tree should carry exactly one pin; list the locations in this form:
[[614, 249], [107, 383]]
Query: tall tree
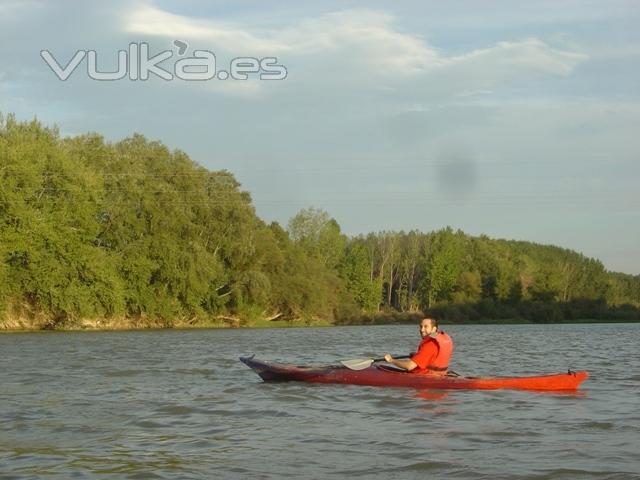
[[319, 235]]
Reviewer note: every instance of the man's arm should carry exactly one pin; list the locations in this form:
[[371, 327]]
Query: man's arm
[[407, 364]]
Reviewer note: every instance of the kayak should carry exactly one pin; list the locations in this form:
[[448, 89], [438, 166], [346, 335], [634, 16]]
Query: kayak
[[379, 375]]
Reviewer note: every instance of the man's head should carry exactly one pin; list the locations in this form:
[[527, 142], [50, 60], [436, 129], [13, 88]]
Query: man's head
[[428, 326]]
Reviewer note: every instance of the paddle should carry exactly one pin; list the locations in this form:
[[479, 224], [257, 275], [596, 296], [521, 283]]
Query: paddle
[[362, 363]]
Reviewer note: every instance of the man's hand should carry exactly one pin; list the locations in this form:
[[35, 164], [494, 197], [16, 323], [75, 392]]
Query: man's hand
[[406, 364]]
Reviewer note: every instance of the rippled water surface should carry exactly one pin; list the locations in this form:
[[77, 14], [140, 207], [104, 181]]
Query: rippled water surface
[[178, 404]]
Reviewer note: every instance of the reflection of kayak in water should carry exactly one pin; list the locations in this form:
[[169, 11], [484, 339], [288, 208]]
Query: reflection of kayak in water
[[384, 376], [431, 395]]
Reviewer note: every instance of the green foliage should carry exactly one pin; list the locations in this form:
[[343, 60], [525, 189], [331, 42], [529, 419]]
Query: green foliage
[[478, 278], [4, 285], [91, 229], [623, 289], [319, 236], [355, 270], [50, 204], [468, 287], [302, 286], [444, 264]]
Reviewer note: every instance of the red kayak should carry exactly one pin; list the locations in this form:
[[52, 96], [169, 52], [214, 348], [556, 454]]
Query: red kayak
[[384, 376]]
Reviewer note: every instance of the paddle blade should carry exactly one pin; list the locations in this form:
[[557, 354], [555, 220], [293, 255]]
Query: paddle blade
[[358, 364]]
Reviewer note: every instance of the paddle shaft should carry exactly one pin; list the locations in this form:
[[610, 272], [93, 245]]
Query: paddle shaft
[[362, 363], [382, 359]]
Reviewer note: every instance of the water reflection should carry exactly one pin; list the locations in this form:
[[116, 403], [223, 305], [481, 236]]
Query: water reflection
[[431, 395]]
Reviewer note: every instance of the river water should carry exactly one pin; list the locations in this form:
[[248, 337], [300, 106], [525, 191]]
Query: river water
[[178, 404]]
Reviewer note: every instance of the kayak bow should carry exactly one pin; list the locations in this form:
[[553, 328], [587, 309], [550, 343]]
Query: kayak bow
[[385, 376]]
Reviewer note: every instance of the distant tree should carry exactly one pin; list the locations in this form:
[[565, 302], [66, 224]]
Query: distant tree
[[410, 259], [319, 235], [444, 265], [355, 271], [468, 288]]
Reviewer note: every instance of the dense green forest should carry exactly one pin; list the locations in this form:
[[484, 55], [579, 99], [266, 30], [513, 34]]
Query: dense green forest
[[131, 234]]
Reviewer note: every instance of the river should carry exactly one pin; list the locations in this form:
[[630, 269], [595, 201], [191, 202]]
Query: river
[[171, 404]]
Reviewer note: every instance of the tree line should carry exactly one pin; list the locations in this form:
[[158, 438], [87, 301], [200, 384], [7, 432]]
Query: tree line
[[91, 229]]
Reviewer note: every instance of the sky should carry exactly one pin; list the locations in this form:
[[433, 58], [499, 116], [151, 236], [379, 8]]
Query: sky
[[513, 119]]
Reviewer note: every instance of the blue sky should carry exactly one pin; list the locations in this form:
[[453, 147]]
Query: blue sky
[[514, 119]]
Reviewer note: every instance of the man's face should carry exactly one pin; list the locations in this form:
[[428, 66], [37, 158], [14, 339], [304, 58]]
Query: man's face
[[426, 327]]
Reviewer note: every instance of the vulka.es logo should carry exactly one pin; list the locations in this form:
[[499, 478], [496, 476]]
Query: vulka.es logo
[[136, 63]]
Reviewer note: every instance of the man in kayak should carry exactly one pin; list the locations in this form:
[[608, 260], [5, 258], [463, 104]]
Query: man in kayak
[[434, 352]]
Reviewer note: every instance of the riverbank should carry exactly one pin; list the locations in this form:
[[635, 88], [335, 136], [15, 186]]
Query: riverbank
[[413, 318], [20, 324], [143, 323]]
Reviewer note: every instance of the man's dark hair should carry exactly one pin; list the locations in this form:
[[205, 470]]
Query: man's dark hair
[[432, 316]]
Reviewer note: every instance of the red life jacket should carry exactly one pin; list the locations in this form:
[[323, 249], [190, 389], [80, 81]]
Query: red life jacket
[[440, 363]]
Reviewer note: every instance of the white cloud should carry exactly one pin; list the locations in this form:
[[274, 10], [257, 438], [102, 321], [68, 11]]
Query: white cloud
[[149, 20], [362, 47], [530, 54]]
